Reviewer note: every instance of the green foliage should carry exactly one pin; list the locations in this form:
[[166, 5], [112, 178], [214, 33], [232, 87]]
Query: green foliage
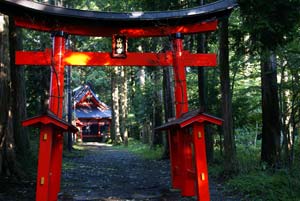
[[143, 150], [265, 186], [29, 163], [248, 158], [247, 161], [270, 23], [255, 182]]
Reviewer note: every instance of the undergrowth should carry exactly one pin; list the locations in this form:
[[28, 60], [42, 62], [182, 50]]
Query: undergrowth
[[77, 152], [266, 186], [255, 182], [143, 150]]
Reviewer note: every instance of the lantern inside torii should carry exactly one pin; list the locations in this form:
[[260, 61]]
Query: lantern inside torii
[[62, 22]]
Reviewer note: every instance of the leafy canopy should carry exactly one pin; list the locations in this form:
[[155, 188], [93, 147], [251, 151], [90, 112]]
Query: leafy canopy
[[270, 22]]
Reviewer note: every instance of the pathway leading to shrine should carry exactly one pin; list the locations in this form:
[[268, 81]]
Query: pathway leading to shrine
[[107, 173]]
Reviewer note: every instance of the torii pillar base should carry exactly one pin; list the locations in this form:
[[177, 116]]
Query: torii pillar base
[[50, 148]]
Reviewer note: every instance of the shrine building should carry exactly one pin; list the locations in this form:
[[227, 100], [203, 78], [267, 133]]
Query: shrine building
[[92, 116]]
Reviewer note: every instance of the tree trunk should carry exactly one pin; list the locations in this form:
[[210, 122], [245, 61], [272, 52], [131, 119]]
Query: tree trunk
[[229, 143], [116, 136], [295, 107], [8, 162], [145, 128], [4, 90], [270, 147], [168, 105], [123, 105], [18, 94], [157, 107]]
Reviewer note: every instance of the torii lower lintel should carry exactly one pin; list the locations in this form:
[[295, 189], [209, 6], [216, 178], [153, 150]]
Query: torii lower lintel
[[105, 59]]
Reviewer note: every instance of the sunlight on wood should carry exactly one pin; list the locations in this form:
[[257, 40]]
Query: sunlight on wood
[[77, 59]]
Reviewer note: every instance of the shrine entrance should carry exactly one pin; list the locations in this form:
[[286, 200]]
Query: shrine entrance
[[186, 132]]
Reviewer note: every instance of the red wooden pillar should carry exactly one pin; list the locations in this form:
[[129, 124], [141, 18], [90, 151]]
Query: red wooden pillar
[[188, 183], [174, 157], [200, 162], [43, 172], [180, 98], [56, 106], [181, 102], [183, 154]]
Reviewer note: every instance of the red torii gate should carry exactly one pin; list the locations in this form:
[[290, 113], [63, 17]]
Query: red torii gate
[[119, 26]]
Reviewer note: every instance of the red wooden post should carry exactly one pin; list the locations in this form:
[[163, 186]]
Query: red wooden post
[[174, 158], [186, 183], [56, 106], [181, 101], [57, 74], [43, 173], [200, 162], [180, 98]]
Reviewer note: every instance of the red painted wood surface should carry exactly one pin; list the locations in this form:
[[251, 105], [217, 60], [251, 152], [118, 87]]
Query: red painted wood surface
[[108, 31], [50, 150], [105, 59], [56, 166], [174, 158], [184, 153], [57, 76], [200, 162], [44, 160], [45, 120], [188, 183], [56, 106], [201, 118], [181, 101]]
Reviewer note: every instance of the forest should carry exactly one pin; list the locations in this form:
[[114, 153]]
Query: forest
[[255, 89]]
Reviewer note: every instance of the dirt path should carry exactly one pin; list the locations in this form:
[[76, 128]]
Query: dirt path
[[106, 173]]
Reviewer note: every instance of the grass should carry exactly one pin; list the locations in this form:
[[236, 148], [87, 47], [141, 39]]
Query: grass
[[77, 152], [255, 182], [266, 186], [143, 150]]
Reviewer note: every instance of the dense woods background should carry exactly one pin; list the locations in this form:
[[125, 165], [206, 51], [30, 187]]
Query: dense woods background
[[255, 88]]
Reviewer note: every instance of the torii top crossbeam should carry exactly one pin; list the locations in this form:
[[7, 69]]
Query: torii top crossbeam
[[45, 17]]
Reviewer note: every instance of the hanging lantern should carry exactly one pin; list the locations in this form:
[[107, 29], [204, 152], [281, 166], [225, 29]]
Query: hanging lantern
[[119, 46]]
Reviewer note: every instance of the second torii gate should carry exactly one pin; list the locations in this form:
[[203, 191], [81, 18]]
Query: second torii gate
[[62, 22]]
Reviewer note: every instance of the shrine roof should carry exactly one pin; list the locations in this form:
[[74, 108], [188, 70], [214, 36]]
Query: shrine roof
[[45, 17], [97, 108], [92, 112], [80, 92], [49, 118], [191, 117]]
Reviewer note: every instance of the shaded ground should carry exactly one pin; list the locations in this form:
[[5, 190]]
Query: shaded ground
[[106, 173], [14, 190]]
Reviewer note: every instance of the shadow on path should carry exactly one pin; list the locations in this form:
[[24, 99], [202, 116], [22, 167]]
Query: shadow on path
[[106, 173]]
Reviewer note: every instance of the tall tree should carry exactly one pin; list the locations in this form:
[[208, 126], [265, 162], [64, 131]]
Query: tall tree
[[12, 107], [168, 104], [6, 131], [270, 148], [226, 99], [18, 93], [115, 106], [157, 108], [123, 104], [275, 21]]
